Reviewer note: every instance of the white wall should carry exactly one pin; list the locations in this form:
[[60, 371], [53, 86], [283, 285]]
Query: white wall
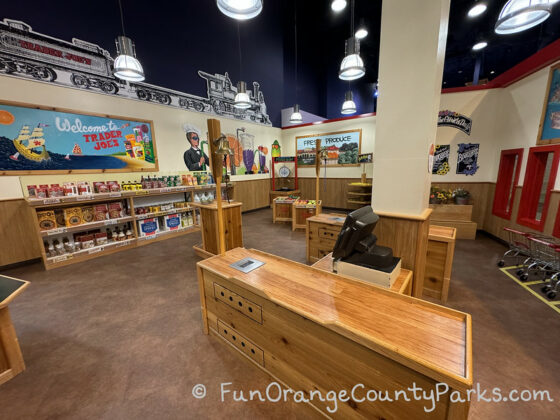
[[367, 124], [170, 137]]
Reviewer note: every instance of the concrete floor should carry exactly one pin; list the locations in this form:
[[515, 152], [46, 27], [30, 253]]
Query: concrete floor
[[119, 337]]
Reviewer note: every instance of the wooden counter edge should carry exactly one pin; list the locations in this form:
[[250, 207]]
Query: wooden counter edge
[[10, 298], [429, 369], [425, 215], [212, 207]]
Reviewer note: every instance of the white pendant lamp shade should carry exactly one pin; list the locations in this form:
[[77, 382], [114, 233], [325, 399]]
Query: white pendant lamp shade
[[352, 66], [296, 115], [242, 100], [338, 5], [349, 106], [519, 15], [240, 9], [126, 66]]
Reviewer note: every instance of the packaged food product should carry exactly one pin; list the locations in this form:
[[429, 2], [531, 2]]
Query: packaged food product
[[68, 246], [70, 189], [121, 236], [58, 247], [43, 191], [171, 222], [88, 214], [100, 238], [148, 227], [32, 190], [86, 241], [73, 216], [84, 188], [100, 187], [114, 186], [115, 210], [51, 251], [129, 234], [59, 216], [47, 219], [100, 212], [56, 190]]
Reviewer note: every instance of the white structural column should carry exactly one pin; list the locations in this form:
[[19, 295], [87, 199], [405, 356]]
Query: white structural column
[[412, 51]]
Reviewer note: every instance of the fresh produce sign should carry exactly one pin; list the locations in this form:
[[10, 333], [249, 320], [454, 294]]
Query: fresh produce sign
[[50, 140], [342, 147]]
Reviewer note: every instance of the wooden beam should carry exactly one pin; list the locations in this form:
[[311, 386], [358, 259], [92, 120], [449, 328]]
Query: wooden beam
[[216, 161]]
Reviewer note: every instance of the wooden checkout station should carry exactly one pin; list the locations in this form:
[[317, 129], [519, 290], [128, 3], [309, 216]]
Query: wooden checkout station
[[313, 330]]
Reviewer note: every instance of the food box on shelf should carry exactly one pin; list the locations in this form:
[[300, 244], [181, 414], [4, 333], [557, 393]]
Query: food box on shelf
[[87, 214], [47, 219], [73, 216], [100, 212], [115, 210], [171, 222], [148, 227]]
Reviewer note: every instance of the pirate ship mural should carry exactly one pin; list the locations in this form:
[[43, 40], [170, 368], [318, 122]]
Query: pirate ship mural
[[83, 65], [34, 139]]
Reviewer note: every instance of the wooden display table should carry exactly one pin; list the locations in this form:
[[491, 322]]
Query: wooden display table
[[402, 285], [301, 212], [281, 193], [282, 210], [458, 216], [11, 359], [439, 259], [209, 226], [314, 330], [321, 233]]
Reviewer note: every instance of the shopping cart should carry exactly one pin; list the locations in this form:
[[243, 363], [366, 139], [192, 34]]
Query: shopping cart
[[553, 287], [542, 256], [518, 247]]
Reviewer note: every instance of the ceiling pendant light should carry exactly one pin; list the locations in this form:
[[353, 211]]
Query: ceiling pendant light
[[296, 115], [352, 66], [242, 100], [477, 10], [519, 15], [338, 5], [479, 45], [349, 106], [362, 31], [126, 66], [240, 9]]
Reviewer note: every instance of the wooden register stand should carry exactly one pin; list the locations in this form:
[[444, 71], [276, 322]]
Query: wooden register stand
[[11, 360], [209, 220], [314, 330]]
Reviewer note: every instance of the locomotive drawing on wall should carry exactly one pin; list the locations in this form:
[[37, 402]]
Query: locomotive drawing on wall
[[83, 65]]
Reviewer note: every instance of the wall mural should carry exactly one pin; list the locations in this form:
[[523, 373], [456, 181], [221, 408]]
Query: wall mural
[[441, 159], [248, 157], [35, 139], [343, 148], [79, 64], [549, 130], [453, 119], [467, 158]]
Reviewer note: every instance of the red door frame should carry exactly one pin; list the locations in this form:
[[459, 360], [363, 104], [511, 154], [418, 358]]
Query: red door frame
[[503, 185], [536, 164]]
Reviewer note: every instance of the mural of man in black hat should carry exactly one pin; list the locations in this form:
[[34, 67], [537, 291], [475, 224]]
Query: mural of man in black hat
[[194, 157]]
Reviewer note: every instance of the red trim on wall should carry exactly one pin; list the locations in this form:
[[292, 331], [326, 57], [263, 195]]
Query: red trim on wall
[[503, 202], [530, 194], [351, 117]]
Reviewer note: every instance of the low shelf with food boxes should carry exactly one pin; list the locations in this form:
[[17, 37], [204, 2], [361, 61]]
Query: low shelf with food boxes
[[95, 222]]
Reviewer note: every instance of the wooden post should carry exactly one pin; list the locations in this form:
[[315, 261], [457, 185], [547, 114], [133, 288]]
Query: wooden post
[[216, 163], [317, 167]]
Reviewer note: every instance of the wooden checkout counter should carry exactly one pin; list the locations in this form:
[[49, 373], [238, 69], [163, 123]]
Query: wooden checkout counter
[[314, 330]]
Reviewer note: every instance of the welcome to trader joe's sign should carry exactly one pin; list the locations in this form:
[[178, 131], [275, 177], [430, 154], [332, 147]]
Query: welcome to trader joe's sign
[[50, 140], [343, 148]]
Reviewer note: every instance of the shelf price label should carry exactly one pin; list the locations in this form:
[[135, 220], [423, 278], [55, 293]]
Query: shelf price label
[[96, 250], [142, 192], [85, 197], [121, 244], [110, 222], [115, 194], [61, 258], [56, 231], [181, 188], [51, 200]]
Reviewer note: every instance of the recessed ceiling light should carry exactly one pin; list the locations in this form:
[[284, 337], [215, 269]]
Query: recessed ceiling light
[[444, 83], [338, 5], [361, 33], [460, 71], [492, 72], [477, 10], [479, 45]]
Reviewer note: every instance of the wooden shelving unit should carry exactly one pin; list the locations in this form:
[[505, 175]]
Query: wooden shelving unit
[[128, 200], [360, 195]]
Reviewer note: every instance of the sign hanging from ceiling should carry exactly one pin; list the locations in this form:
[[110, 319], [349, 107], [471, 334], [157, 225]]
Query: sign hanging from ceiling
[[453, 119]]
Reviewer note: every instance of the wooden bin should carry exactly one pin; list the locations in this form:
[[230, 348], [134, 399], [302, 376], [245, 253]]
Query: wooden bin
[[457, 216], [439, 261], [281, 211], [301, 212]]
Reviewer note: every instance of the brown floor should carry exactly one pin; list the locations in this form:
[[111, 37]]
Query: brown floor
[[119, 337]]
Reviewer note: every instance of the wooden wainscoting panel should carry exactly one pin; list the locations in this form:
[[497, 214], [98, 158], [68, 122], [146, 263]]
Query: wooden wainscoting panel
[[480, 197], [334, 194], [18, 239], [253, 194]]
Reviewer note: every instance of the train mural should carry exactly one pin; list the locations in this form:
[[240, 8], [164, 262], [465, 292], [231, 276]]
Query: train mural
[[83, 65]]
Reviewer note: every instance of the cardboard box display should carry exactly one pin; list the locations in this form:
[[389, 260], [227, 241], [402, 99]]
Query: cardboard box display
[[47, 219], [73, 216], [148, 227], [171, 222]]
